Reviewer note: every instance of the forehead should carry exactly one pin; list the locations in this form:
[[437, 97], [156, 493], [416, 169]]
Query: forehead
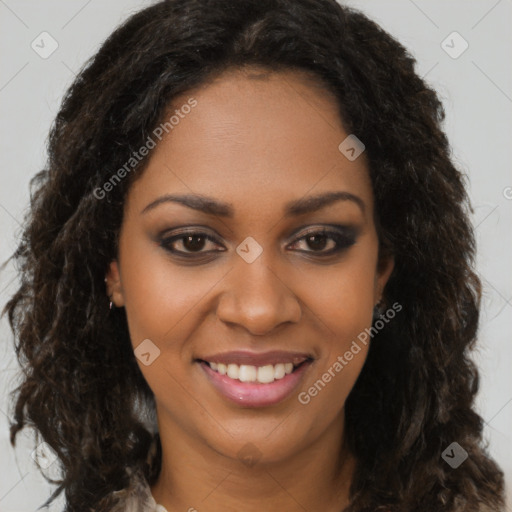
[[252, 135]]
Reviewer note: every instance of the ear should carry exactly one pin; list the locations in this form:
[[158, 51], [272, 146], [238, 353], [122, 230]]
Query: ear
[[384, 269], [114, 284]]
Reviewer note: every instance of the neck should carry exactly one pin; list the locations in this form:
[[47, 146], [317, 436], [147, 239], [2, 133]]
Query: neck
[[194, 476]]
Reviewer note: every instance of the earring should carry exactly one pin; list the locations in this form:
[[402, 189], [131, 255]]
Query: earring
[[377, 310], [111, 303]]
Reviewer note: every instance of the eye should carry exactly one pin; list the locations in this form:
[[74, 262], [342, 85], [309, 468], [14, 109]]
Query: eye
[[193, 242], [326, 242], [321, 242]]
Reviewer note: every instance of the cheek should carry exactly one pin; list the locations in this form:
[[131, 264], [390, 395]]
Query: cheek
[[158, 294], [323, 397], [336, 371], [343, 303], [342, 296]]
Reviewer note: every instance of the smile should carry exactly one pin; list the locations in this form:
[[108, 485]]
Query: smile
[[255, 385], [247, 373]]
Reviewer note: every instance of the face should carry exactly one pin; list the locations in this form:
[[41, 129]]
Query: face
[[249, 243]]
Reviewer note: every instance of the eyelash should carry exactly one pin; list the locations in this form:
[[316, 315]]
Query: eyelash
[[343, 241]]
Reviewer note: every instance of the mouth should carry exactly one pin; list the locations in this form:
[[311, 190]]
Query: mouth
[[250, 373], [269, 380]]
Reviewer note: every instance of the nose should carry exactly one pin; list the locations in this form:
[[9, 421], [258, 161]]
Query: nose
[[256, 298]]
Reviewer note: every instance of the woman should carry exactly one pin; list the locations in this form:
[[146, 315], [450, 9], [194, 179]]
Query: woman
[[247, 277]]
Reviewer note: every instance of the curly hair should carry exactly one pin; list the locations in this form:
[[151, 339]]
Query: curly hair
[[82, 389]]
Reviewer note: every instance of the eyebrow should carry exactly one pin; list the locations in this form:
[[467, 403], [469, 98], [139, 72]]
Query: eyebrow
[[294, 208]]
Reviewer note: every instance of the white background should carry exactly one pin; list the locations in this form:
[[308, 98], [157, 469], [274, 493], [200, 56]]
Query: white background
[[476, 89]]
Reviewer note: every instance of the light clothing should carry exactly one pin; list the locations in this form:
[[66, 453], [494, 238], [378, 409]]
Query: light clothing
[[137, 496]]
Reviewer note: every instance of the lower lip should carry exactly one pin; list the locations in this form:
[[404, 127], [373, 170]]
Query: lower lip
[[254, 394]]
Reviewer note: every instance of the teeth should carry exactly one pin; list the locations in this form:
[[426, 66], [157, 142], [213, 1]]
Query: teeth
[[268, 373], [233, 371], [248, 373]]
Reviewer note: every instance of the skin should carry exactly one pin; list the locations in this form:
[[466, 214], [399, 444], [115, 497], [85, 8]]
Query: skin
[[256, 141]]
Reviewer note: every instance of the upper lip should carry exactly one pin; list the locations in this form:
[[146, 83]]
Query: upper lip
[[273, 357]]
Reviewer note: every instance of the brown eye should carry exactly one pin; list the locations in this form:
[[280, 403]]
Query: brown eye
[[187, 243], [325, 243], [193, 243], [317, 242]]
